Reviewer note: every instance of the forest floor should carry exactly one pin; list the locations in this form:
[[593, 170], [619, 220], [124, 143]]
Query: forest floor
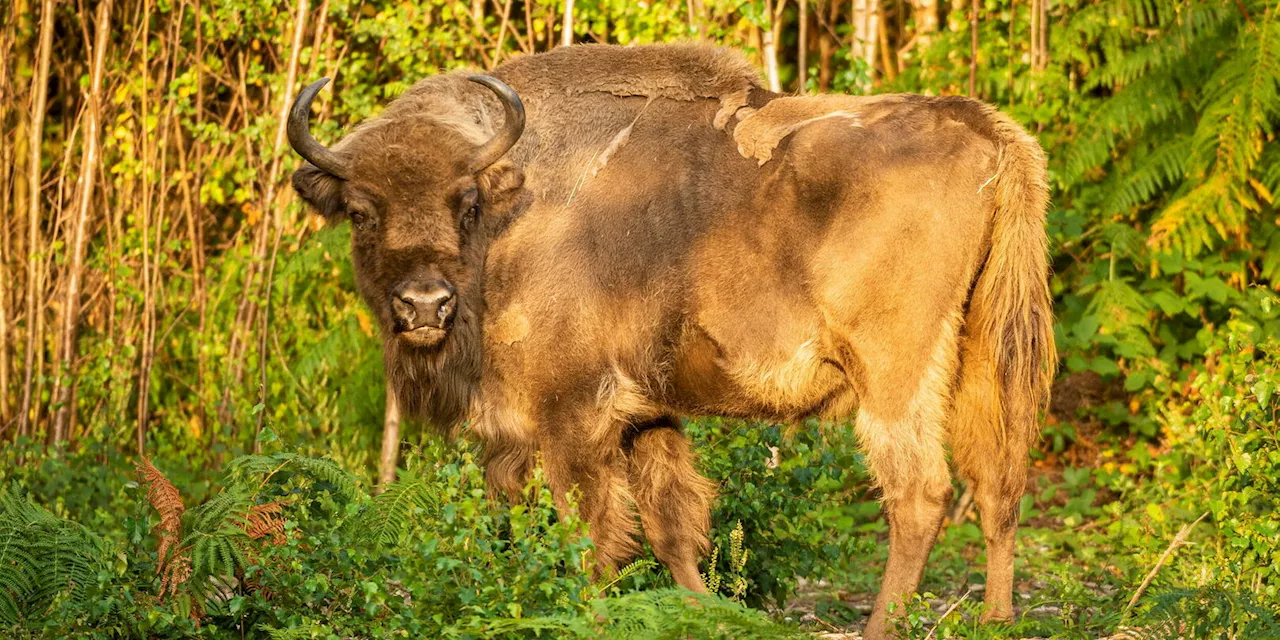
[[1064, 587]]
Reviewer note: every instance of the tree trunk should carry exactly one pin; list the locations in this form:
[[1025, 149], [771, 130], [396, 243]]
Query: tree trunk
[[925, 15], [1043, 25], [269, 203], [8, 177], [769, 39], [65, 369], [694, 9], [35, 307], [390, 441], [566, 30], [887, 60], [973, 49], [865, 15], [802, 48]]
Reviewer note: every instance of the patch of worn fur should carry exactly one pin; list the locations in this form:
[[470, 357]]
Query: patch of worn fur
[[760, 131]]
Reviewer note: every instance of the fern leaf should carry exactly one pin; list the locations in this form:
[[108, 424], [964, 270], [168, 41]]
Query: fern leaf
[[42, 557]]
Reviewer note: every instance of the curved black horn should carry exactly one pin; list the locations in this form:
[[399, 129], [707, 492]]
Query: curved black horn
[[512, 126], [300, 133]]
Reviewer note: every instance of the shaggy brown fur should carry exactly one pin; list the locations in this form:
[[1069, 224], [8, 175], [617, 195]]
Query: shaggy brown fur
[[669, 239]]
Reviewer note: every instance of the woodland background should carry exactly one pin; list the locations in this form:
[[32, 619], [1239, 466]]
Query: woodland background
[[162, 292]]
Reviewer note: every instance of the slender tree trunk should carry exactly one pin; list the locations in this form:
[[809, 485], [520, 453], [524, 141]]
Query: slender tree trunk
[[566, 29], [390, 441], [66, 364], [8, 175], [695, 12], [802, 48], [973, 49], [269, 203], [865, 15], [148, 337], [1044, 33], [887, 60], [770, 39], [925, 15], [501, 49], [528, 27], [35, 308]]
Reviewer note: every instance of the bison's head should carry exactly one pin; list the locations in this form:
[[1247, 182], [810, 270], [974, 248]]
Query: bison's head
[[424, 192]]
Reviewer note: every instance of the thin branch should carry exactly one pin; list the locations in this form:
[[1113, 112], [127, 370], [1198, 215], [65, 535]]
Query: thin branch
[[1178, 541], [950, 609]]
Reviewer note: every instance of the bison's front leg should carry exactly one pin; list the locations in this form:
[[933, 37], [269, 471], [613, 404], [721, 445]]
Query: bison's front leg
[[597, 472], [673, 499]]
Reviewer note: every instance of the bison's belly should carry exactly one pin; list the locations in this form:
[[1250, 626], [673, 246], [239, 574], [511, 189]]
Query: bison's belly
[[782, 381]]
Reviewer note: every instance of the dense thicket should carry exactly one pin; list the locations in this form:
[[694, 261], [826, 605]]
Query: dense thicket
[[162, 291]]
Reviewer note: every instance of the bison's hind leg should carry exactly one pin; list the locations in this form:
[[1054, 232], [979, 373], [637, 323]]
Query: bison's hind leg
[[993, 460], [673, 499], [908, 460], [905, 444]]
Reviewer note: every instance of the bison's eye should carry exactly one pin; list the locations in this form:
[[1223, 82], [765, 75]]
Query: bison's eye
[[469, 208], [470, 216], [361, 220]]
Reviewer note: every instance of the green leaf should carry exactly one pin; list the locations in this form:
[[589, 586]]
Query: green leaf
[[1262, 390], [267, 435]]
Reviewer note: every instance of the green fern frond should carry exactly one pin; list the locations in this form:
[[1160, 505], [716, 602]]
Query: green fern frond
[[1195, 221], [636, 567], [1187, 32], [1147, 103], [1146, 175], [1241, 101], [319, 470], [389, 516], [1207, 613], [42, 557]]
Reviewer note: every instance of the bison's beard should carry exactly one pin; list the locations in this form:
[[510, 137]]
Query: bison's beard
[[434, 374]]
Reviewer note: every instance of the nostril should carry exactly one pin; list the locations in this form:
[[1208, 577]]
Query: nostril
[[445, 312], [403, 312]]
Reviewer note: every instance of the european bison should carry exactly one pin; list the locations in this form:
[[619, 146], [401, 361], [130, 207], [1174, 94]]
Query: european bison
[[651, 235]]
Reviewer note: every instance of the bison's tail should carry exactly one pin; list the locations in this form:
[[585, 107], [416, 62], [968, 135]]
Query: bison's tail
[[1009, 354]]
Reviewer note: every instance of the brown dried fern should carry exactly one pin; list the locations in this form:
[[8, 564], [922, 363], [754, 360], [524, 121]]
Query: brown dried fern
[[172, 564], [266, 520]]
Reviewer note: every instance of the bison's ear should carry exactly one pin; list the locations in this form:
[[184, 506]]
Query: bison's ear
[[500, 180], [321, 190]]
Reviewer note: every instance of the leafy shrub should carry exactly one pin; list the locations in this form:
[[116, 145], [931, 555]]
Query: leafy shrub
[[795, 496], [291, 547], [1224, 439]]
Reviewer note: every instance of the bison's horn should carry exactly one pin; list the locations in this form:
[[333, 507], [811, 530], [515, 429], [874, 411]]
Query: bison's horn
[[300, 133], [512, 126]]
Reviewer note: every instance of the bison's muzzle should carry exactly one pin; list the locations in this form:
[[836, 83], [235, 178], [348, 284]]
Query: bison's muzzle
[[427, 306]]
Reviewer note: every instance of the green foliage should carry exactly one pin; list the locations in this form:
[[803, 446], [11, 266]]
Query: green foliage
[[797, 509], [1225, 441], [43, 558], [660, 614], [431, 556], [1209, 613]]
